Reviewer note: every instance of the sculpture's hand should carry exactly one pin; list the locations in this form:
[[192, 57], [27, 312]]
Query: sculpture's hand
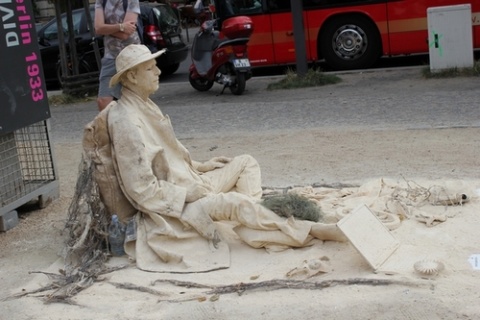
[[195, 192], [214, 163]]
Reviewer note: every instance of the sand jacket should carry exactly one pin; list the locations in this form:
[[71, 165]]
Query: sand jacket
[[162, 163]]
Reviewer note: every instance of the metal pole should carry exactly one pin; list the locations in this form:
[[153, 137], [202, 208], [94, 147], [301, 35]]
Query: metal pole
[[186, 28], [61, 39], [299, 37], [91, 28], [71, 38]]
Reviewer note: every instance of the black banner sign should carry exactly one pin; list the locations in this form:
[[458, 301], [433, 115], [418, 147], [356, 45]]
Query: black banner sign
[[23, 94]]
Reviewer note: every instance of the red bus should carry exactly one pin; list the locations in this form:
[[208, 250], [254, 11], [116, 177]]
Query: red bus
[[348, 34]]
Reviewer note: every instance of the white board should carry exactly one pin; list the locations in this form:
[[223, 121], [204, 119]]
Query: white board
[[369, 236]]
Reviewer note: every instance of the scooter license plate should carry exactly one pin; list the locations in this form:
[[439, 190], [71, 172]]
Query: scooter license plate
[[241, 63]]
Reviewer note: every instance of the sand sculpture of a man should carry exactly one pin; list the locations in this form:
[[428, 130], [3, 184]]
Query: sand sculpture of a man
[[177, 202]]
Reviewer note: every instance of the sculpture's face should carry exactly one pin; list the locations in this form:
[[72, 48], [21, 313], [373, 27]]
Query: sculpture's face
[[146, 78]]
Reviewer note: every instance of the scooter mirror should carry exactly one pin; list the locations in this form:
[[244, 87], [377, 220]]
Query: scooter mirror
[[208, 25]]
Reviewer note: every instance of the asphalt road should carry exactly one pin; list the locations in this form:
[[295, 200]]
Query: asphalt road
[[375, 100]]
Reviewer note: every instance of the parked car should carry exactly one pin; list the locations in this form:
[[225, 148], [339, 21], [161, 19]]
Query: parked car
[[39, 26], [161, 30]]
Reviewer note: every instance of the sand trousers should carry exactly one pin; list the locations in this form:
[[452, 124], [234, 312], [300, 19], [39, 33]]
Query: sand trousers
[[257, 225], [241, 175]]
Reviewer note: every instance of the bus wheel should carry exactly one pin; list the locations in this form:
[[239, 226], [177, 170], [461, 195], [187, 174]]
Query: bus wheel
[[350, 42]]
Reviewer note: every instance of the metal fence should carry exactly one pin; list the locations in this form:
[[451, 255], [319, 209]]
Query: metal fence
[[27, 169]]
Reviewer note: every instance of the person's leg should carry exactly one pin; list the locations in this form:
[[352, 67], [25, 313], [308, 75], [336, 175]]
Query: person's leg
[[233, 206], [241, 175], [105, 93]]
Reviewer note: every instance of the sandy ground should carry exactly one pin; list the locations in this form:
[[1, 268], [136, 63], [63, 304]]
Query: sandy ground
[[342, 155]]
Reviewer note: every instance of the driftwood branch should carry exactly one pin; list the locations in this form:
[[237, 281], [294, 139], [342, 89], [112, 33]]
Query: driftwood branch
[[277, 284], [185, 284], [25, 293], [131, 286], [63, 285]]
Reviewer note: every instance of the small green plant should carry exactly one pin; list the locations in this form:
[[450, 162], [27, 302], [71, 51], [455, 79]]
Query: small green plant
[[453, 72], [313, 78]]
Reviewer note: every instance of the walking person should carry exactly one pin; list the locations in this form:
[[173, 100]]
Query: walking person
[[116, 20]]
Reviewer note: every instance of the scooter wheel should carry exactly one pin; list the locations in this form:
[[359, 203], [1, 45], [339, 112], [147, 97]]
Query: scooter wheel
[[238, 87], [200, 84]]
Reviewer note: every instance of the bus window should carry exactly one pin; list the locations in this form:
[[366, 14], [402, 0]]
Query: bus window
[[278, 5], [241, 7], [335, 3]]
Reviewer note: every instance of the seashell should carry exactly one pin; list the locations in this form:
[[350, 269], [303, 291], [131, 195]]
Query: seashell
[[310, 268], [317, 264], [428, 267]]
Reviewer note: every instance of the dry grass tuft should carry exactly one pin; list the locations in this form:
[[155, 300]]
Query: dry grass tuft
[[293, 205], [313, 78], [61, 99]]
